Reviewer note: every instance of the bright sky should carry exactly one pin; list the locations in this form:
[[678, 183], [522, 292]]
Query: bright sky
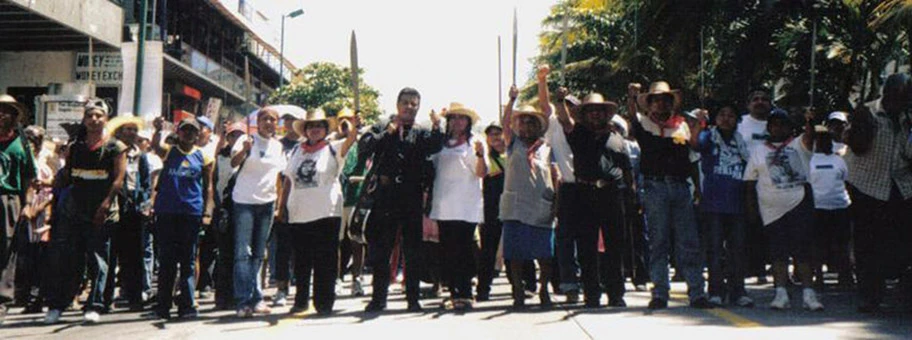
[[445, 49]]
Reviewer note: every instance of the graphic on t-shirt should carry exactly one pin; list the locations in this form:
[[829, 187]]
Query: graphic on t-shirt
[[783, 168], [4, 166], [306, 174], [759, 136], [730, 162]]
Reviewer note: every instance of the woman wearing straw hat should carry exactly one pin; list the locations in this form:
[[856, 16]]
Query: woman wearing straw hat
[[457, 202], [311, 205], [528, 197], [127, 241]]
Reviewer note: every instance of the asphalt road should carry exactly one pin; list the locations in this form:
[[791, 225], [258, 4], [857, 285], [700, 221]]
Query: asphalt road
[[495, 320]]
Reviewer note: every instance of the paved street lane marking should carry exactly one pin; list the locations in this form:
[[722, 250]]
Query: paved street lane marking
[[722, 313]]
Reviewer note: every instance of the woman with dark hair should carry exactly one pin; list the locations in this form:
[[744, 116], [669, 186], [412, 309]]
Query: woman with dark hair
[[457, 202], [260, 159]]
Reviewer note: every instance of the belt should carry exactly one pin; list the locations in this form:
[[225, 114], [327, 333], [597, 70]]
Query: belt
[[665, 178], [386, 180], [600, 183]]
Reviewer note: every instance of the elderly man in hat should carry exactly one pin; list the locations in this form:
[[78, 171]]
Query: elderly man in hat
[[95, 173], [880, 184], [399, 149], [17, 169], [600, 164], [665, 140]]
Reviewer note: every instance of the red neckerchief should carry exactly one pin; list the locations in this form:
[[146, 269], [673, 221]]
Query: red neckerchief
[[530, 154], [8, 136], [671, 123], [98, 144], [776, 149], [308, 148]]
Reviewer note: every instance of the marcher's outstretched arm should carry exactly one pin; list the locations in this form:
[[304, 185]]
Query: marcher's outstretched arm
[[697, 129], [544, 96], [508, 114], [209, 193], [117, 176], [156, 138], [481, 167], [807, 138], [562, 115]]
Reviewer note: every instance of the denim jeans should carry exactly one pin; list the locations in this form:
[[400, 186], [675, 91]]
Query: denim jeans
[[565, 247], [669, 208], [252, 223], [77, 245], [177, 235], [725, 236]]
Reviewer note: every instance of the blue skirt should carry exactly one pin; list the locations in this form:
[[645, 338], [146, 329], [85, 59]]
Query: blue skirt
[[524, 242]]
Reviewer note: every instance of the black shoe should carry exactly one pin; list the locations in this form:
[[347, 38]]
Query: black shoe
[[701, 303], [160, 314], [868, 307], [298, 309], [188, 314], [617, 302], [519, 304], [375, 307], [414, 307], [31, 309], [592, 304], [324, 312], [657, 303]]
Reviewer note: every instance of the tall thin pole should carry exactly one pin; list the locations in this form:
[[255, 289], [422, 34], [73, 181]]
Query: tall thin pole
[[282, 55], [515, 42], [499, 82], [813, 64], [702, 70], [91, 60], [140, 58]]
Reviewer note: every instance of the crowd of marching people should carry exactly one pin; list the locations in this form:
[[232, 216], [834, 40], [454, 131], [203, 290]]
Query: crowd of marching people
[[564, 196]]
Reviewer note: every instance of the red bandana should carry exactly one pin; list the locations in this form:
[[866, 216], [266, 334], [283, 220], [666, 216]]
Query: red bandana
[[671, 123], [308, 148]]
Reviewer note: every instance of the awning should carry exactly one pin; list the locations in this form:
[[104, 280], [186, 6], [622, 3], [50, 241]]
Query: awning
[[55, 26]]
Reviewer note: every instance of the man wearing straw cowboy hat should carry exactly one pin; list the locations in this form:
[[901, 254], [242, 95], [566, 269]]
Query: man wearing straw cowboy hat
[[666, 140], [16, 171], [399, 150], [599, 164]]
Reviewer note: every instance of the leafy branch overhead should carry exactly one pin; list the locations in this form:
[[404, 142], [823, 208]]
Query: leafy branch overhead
[[745, 44], [328, 86]]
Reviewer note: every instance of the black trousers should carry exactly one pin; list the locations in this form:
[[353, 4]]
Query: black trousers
[[316, 251], [224, 264], [127, 253], [284, 251], [382, 230], [834, 233], [882, 236], [76, 247], [458, 241], [490, 242], [603, 210], [208, 253], [178, 236]]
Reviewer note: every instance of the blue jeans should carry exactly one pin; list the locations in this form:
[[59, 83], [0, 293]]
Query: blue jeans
[[75, 246], [177, 235], [725, 236], [669, 208], [252, 223]]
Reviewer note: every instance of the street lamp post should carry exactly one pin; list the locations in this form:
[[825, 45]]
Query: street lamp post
[[292, 15]]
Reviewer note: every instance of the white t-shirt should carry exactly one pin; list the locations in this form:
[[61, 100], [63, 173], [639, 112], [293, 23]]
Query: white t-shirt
[[780, 177], [457, 191], [256, 184], [209, 149], [840, 149], [753, 131], [316, 192], [560, 149], [827, 176]]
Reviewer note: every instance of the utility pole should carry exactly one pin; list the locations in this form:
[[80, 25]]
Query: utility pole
[[140, 58]]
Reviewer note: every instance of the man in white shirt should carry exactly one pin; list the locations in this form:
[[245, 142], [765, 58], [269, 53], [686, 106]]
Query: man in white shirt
[[753, 130]]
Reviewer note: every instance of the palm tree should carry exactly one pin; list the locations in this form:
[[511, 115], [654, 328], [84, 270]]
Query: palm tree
[[896, 13]]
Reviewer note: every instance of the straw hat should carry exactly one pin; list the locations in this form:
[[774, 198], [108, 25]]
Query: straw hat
[[117, 122], [345, 113], [461, 110], [597, 100], [9, 101], [317, 115], [528, 110], [659, 88]]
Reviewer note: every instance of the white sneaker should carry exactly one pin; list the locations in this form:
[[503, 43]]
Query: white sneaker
[[781, 301], [280, 299], [338, 287], [810, 300], [52, 316], [356, 289], [715, 300], [91, 317]]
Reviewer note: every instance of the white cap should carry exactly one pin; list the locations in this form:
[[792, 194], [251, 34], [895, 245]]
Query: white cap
[[838, 115]]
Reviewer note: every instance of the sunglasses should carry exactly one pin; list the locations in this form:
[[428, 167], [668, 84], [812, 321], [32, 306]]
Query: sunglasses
[[96, 104]]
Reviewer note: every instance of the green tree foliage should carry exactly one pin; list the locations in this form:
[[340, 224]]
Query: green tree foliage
[[746, 44], [328, 86]]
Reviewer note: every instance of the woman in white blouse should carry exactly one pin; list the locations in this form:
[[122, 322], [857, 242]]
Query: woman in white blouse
[[457, 201], [260, 159], [311, 204]]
